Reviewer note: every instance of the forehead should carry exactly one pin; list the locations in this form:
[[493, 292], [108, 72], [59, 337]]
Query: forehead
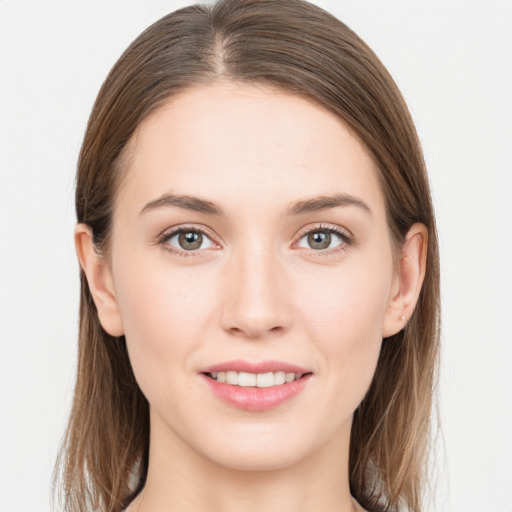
[[233, 143]]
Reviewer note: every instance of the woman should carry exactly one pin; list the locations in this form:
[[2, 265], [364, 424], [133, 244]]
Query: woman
[[254, 231]]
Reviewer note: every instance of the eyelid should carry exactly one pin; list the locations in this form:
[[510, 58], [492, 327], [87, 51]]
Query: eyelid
[[172, 231], [343, 233]]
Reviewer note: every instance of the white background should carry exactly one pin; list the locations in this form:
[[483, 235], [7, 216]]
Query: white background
[[453, 63]]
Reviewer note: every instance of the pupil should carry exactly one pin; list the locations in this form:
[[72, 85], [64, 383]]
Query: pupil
[[319, 240], [190, 240]]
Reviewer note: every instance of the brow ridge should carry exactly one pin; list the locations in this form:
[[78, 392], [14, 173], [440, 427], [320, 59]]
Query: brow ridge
[[183, 201], [325, 202], [314, 204]]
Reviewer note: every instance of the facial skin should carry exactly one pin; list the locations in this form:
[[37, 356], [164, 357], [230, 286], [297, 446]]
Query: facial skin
[[255, 290]]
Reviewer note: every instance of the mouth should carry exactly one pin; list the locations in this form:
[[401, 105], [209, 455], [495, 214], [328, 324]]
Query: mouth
[[255, 380], [256, 386]]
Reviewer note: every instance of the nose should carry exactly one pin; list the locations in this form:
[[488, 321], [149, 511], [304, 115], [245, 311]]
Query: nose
[[256, 295]]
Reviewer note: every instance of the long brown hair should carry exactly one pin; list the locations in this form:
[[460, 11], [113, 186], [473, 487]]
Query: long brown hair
[[299, 48]]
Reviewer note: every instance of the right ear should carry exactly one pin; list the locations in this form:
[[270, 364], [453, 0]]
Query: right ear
[[99, 278]]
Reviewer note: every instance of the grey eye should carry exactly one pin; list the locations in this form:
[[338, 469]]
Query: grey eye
[[320, 240], [190, 240]]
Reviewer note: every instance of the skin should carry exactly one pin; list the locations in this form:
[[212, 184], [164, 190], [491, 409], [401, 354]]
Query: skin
[[255, 290]]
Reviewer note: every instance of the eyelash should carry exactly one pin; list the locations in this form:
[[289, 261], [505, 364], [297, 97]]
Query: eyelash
[[346, 240], [166, 236]]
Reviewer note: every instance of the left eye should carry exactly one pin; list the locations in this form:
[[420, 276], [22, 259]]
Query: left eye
[[189, 240], [321, 239]]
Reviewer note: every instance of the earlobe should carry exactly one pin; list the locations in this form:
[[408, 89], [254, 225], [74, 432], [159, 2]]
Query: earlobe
[[413, 263], [99, 278]]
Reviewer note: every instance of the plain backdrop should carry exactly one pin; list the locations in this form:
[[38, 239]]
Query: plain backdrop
[[453, 63]]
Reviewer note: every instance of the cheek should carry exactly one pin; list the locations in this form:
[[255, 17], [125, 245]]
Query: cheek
[[345, 318], [346, 303], [164, 315]]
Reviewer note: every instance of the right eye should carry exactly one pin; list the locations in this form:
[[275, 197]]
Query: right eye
[[186, 240]]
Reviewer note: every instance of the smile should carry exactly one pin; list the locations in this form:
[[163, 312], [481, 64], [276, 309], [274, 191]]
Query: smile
[[258, 380], [256, 386]]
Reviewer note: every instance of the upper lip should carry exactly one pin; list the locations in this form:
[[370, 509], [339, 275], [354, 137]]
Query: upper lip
[[255, 367]]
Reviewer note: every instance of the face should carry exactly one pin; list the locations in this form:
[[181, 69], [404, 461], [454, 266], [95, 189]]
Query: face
[[250, 245]]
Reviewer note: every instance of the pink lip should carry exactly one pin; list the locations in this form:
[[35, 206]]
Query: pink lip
[[262, 367], [252, 398]]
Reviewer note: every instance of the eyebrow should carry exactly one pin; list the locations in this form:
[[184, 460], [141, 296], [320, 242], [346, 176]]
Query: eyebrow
[[326, 202], [301, 207], [186, 202]]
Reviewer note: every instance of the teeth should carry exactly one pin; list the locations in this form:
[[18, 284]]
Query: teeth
[[232, 378], [260, 380], [265, 380], [279, 378], [246, 379]]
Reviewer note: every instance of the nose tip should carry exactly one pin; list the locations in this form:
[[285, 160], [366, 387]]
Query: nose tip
[[254, 329], [256, 302]]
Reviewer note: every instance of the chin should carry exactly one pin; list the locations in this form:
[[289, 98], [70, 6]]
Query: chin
[[256, 459], [262, 448]]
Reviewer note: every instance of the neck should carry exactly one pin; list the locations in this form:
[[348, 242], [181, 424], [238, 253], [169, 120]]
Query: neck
[[179, 478]]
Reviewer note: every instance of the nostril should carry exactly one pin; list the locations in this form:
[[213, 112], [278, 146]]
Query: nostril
[[256, 329]]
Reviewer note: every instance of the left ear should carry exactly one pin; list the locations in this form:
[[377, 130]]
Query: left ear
[[408, 282]]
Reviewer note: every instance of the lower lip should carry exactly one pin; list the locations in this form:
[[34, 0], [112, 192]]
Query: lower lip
[[257, 399]]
